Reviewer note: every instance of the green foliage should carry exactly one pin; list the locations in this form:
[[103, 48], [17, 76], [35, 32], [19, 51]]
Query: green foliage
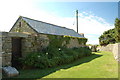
[[117, 30], [53, 57], [108, 37], [101, 64], [57, 41], [112, 35], [56, 53]]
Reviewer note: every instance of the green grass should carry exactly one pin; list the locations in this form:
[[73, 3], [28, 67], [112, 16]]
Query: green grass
[[101, 67], [98, 65]]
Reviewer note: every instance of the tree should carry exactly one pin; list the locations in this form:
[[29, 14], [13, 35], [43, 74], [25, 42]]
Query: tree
[[112, 35], [117, 30], [107, 37]]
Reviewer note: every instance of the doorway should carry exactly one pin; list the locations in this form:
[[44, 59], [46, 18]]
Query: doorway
[[16, 51]]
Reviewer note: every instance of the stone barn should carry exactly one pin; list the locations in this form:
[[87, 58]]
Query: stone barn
[[29, 35]]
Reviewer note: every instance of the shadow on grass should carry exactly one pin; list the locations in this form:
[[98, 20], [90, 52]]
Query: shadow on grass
[[39, 73]]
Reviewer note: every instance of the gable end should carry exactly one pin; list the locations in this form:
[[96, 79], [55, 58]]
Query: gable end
[[22, 26]]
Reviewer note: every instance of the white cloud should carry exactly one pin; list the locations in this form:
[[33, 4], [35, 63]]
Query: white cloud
[[10, 10], [88, 22]]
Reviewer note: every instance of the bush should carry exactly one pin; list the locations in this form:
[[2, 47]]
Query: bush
[[54, 57]]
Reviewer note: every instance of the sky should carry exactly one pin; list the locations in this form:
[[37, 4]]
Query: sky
[[93, 17]]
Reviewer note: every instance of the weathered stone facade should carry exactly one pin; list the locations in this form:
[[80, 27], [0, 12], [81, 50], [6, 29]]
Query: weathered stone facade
[[26, 29], [34, 43], [6, 47], [74, 43], [5, 51]]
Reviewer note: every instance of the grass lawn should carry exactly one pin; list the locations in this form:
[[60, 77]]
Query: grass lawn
[[98, 65], [102, 67]]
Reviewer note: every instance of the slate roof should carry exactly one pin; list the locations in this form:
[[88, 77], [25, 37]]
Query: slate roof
[[47, 28]]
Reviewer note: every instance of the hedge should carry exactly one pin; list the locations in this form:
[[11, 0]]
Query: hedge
[[54, 57]]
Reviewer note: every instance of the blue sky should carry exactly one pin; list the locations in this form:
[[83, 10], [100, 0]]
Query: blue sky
[[94, 17], [106, 10]]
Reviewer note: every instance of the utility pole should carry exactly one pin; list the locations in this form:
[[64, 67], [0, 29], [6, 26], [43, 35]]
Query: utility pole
[[119, 9], [77, 20]]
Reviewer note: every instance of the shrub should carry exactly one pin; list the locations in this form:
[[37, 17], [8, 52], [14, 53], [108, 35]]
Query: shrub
[[54, 57]]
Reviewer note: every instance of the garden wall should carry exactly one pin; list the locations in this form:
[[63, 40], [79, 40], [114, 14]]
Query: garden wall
[[114, 48]]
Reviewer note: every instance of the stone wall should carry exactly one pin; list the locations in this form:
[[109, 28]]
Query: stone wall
[[37, 42], [34, 43], [114, 48], [5, 48], [22, 26], [74, 43]]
